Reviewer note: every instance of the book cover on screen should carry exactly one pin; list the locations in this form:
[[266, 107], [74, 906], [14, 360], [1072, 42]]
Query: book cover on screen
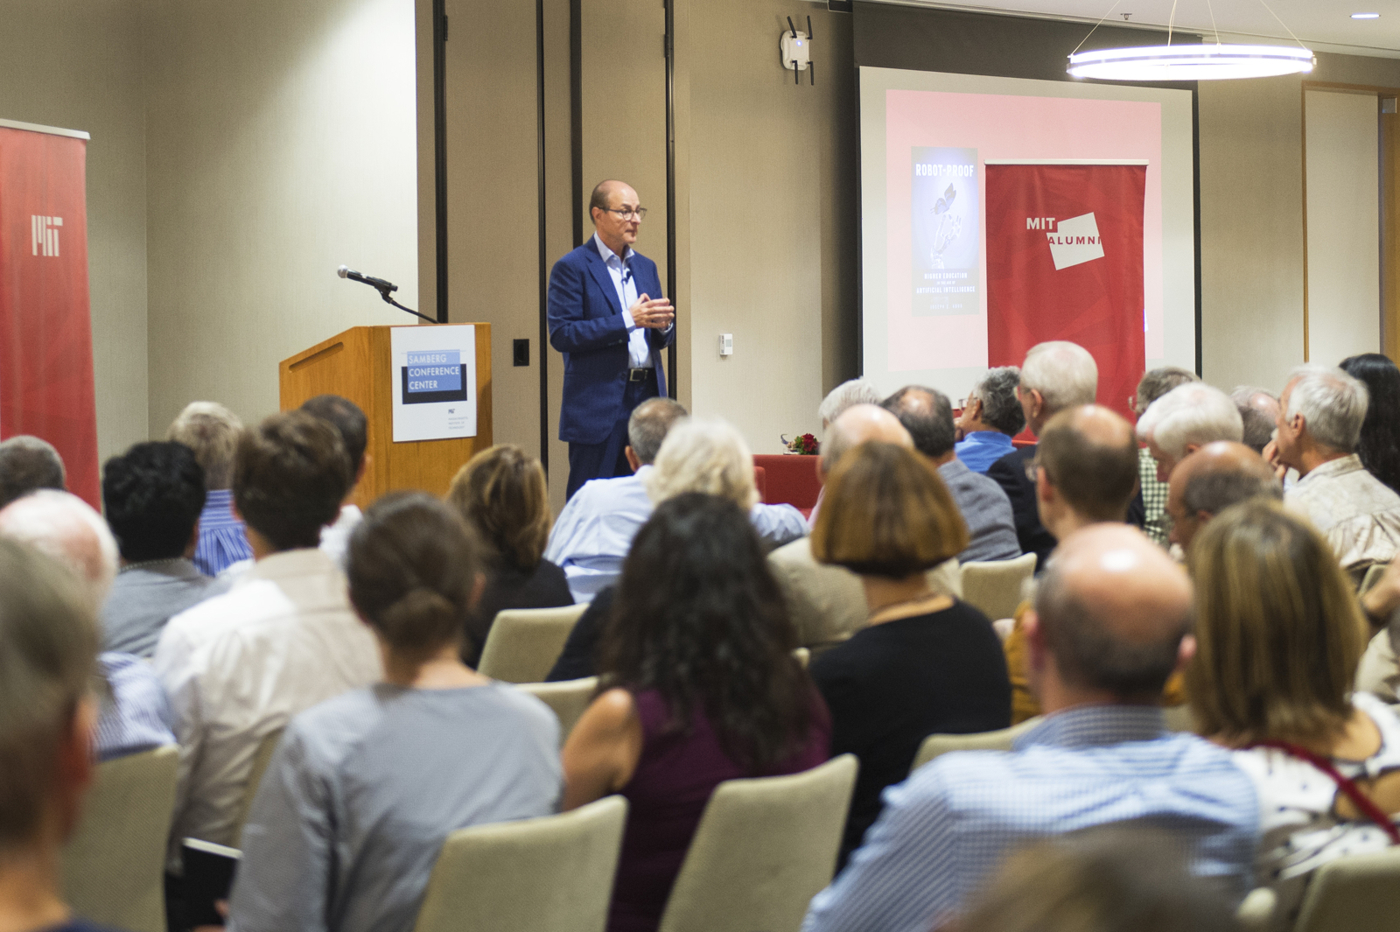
[[944, 209]]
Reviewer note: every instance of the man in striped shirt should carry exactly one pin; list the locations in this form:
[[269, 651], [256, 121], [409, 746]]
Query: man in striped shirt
[[1107, 629]]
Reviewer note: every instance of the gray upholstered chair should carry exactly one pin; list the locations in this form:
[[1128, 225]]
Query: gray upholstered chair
[[1000, 740], [994, 587], [114, 865], [1361, 891], [524, 642], [568, 699], [762, 850], [261, 758], [552, 874]]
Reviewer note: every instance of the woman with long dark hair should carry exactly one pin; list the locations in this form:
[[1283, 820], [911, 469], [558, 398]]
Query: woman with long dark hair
[[700, 686], [1380, 432]]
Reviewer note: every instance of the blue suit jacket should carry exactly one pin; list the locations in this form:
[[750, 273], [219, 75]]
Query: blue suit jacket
[[586, 325]]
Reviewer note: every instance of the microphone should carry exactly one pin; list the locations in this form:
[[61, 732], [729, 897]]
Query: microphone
[[384, 287]]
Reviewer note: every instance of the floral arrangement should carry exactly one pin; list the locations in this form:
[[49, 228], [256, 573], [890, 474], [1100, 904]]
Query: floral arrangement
[[806, 444]]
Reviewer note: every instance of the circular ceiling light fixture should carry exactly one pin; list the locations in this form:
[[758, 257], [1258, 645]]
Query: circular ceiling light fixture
[[1205, 62]]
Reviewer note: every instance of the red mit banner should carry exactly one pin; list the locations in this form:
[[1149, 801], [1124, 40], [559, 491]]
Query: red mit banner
[[1064, 262], [46, 386]]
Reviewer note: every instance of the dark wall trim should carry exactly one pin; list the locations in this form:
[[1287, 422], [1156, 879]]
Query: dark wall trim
[[440, 150], [1196, 206], [576, 113], [543, 350], [670, 47]]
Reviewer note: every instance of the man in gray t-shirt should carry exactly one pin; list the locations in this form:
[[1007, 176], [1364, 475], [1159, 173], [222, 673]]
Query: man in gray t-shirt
[[152, 494]]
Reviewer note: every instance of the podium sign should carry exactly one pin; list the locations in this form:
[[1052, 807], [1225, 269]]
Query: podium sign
[[433, 373]]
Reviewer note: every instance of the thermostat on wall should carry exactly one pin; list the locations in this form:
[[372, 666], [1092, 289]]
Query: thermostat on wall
[[726, 344]]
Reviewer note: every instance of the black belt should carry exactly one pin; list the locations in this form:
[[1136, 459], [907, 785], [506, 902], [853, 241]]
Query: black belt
[[639, 374]]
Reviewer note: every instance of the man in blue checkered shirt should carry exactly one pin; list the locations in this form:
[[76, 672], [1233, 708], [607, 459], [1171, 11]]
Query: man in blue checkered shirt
[[1110, 617]]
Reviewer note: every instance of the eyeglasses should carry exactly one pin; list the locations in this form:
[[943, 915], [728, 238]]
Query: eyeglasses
[[628, 213]]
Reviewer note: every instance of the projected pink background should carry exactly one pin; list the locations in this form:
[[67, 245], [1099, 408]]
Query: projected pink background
[[1005, 127]]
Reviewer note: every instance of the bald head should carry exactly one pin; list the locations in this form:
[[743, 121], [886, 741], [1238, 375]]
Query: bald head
[[66, 528], [928, 416], [1089, 460], [859, 424], [1111, 611], [1212, 479]]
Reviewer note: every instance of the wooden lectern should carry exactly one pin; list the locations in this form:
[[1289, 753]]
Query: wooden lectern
[[356, 365]]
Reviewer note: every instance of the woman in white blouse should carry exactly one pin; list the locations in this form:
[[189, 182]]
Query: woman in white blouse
[[1279, 635]]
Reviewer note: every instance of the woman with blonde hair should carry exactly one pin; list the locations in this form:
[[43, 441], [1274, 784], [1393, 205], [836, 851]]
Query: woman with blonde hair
[[925, 663], [1278, 638], [501, 494]]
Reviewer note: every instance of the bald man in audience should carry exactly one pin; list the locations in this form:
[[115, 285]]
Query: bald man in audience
[[136, 716], [1055, 375], [1259, 410], [1212, 479], [1110, 623], [1086, 473], [827, 603]]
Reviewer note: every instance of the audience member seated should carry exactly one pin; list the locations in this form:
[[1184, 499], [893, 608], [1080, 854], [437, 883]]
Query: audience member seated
[[1278, 637], [990, 417], [134, 714], [153, 495], [1110, 616], [1086, 473], [1379, 672], [1216, 476], [26, 464], [212, 431], [1185, 419], [928, 416], [1152, 492], [1379, 447], [595, 529], [1116, 878], [1318, 433], [1259, 411], [837, 401], [703, 688], [284, 638], [500, 493], [347, 418], [364, 788], [1054, 376], [827, 603], [924, 663], [702, 455], [47, 642]]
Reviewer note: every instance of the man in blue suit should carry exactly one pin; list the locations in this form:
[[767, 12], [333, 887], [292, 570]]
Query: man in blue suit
[[604, 319]]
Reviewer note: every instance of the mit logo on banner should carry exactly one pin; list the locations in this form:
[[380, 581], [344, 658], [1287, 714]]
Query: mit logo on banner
[[43, 233]]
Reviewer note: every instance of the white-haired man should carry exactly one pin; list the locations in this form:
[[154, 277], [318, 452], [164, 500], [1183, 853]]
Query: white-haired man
[[1056, 375], [66, 528], [1185, 419], [595, 530], [1319, 428]]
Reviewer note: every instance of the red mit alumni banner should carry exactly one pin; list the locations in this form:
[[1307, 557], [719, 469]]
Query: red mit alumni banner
[[46, 386], [1064, 262]]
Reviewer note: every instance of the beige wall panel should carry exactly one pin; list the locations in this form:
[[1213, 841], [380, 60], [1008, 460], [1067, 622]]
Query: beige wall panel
[[559, 218], [624, 111], [1251, 144], [771, 218], [282, 142], [492, 197], [1343, 216], [77, 64]]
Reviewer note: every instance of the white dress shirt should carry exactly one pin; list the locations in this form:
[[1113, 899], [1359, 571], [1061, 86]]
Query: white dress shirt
[[240, 665], [335, 538], [638, 350]]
